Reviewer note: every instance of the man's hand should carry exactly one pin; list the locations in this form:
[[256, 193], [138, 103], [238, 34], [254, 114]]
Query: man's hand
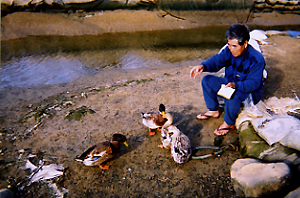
[[196, 71], [231, 84]]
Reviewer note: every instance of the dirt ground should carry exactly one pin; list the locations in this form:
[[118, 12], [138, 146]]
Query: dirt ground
[[142, 169]]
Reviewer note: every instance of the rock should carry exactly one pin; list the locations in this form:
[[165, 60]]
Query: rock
[[251, 145], [276, 33], [283, 1], [273, 125], [279, 153], [218, 140], [6, 193], [252, 178], [282, 6], [17, 2], [294, 194], [279, 128]]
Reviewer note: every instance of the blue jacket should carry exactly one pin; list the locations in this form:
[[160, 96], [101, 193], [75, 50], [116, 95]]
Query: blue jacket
[[246, 71]]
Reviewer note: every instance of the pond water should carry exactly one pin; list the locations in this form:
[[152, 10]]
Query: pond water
[[54, 59]]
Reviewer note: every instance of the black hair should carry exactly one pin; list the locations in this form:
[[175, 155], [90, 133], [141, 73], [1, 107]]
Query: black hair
[[239, 32]]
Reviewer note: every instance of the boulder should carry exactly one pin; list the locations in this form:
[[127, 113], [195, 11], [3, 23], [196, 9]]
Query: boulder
[[252, 178], [6, 193], [271, 121], [252, 145], [294, 194]]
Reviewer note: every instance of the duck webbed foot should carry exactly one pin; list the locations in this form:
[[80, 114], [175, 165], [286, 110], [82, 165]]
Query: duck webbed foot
[[104, 167], [151, 132]]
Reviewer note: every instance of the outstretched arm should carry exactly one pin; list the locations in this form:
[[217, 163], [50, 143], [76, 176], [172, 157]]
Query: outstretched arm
[[196, 71]]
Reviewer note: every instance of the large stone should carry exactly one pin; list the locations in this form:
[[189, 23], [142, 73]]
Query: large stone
[[6, 193], [252, 178], [294, 194], [271, 122], [279, 153], [251, 145]]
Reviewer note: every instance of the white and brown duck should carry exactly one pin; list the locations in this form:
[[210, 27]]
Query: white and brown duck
[[156, 120]]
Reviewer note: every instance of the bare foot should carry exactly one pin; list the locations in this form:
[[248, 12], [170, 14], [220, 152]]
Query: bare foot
[[208, 114]]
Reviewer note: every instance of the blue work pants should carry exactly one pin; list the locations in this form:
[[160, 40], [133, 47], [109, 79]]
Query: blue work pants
[[210, 86]]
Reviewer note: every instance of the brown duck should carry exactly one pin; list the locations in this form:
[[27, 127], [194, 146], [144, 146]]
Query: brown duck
[[103, 151]]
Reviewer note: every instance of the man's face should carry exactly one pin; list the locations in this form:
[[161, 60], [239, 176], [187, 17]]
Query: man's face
[[236, 49]]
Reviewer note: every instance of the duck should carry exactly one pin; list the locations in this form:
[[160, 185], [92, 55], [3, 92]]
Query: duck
[[181, 149], [166, 138], [156, 120], [102, 152]]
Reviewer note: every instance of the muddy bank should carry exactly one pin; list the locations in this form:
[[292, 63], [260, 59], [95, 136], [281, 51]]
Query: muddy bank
[[21, 24]]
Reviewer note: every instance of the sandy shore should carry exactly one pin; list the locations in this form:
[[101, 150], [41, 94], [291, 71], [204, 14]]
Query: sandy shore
[[143, 169]]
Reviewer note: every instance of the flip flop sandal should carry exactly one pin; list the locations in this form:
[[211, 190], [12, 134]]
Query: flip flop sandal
[[205, 117], [217, 132]]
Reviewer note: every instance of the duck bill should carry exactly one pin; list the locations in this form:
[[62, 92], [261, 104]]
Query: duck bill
[[125, 143]]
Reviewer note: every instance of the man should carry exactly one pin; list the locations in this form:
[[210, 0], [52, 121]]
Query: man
[[243, 71]]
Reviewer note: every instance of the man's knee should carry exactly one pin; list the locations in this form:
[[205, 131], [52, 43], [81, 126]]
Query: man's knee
[[206, 79], [234, 103]]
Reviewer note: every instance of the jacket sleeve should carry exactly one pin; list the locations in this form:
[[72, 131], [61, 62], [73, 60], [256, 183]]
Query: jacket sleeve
[[217, 62], [254, 78]]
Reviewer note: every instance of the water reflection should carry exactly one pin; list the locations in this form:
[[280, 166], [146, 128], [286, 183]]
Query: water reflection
[[53, 59], [32, 70], [64, 67]]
